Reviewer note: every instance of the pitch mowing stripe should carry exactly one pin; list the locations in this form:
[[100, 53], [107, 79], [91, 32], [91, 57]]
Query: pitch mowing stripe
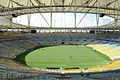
[[66, 57]]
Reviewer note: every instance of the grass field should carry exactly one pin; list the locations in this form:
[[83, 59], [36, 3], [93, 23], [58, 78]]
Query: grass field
[[66, 57]]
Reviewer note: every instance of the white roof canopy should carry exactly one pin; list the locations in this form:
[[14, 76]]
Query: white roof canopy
[[108, 7]]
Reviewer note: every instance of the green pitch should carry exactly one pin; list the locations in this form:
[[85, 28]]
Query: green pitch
[[66, 57]]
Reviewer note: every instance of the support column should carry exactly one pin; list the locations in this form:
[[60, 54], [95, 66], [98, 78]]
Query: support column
[[75, 20]]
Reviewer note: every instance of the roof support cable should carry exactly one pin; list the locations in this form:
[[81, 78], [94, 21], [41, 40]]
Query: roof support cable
[[16, 3], [3, 7], [51, 14], [83, 16], [12, 6], [97, 18], [86, 13], [28, 15], [89, 1], [10, 18], [86, 3], [71, 4], [54, 20], [55, 5], [75, 9], [41, 4], [64, 19], [108, 4], [16, 11], [118, 12], [41, 14], [115, 16], [63, 3]]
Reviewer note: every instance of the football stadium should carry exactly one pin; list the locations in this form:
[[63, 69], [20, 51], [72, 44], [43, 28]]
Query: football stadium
[[59, 39]]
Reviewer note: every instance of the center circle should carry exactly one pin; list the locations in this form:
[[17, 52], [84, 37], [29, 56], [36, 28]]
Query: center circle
[[68, 56]]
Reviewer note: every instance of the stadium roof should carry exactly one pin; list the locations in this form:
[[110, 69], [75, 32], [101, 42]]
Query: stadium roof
[[103, 7]]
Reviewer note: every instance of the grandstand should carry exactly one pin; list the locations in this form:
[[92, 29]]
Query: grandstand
[[18, 40]]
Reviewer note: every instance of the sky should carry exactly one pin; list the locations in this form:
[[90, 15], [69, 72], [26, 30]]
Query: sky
[[62, 20]]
